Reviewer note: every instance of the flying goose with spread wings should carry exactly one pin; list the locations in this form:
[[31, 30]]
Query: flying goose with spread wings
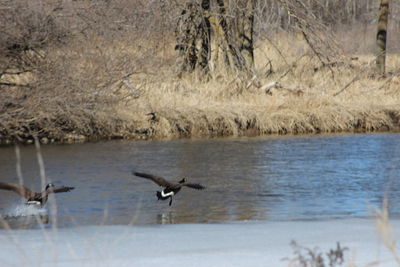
[[34, 198], [170, 188]]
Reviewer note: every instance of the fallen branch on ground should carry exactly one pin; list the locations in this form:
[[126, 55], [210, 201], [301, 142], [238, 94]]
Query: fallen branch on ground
[[14, 84], [267, 87]]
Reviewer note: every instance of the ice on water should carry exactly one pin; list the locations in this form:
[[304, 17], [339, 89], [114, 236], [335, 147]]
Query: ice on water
[[224, 244]]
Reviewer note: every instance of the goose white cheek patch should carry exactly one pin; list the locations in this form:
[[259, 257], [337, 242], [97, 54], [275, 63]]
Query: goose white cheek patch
[[167, 194]]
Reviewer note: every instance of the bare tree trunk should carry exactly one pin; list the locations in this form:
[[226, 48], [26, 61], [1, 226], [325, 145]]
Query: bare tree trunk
[[381, 36], [216, 37], [193, 39], [245, 31], [225, 57], [205, 38], [222, 56]]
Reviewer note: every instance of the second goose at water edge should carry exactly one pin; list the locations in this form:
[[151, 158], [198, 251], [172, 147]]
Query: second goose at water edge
[[170, 189], [32, 197]]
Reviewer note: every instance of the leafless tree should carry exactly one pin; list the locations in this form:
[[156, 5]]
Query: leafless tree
[[215, 37], [382, 35]]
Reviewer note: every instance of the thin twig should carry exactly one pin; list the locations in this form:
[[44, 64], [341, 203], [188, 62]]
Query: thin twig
[[15, 84], [357, 77], [18, 165], [319, 56], [387, 80]]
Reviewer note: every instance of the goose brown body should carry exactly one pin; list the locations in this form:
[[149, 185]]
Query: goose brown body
[[34, 197]]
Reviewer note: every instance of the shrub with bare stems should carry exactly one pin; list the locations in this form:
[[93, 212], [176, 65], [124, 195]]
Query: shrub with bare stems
[[64, 66], [96, 68]]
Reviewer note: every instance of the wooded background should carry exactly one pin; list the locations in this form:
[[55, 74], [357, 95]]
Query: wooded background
[[67, 64]]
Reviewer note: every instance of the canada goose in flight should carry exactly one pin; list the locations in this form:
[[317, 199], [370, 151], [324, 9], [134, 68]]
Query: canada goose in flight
[[170, 189], [32, 197]]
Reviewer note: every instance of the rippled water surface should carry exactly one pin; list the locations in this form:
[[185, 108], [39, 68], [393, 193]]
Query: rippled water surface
[[273, 178]]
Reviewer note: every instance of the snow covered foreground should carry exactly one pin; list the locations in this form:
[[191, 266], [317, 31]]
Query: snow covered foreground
[[226, 244]]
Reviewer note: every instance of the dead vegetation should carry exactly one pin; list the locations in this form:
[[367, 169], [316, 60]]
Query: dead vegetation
[[64, 68], [306, 257], [105, 69]]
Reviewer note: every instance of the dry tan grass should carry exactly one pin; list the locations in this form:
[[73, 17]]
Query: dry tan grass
[[100, 75], [345, 97], [108, 88]]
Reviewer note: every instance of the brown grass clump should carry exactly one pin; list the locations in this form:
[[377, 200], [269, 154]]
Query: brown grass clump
[[303, 256], [310, 98], [110, 74]]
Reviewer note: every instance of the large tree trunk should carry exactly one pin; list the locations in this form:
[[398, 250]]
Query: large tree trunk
[[216, 38], [245, 31], [193, 39], [225, 41], [381, 36]]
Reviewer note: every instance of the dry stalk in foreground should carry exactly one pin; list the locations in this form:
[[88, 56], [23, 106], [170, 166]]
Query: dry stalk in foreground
[[304, 257], [385, 230]]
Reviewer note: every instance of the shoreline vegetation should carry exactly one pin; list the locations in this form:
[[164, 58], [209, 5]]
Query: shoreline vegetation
[[111, 74]]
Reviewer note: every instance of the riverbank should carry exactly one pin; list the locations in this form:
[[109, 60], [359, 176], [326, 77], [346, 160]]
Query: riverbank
[[289, 94]]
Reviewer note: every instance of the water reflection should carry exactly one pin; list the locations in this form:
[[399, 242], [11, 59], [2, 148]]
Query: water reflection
[[279, 178]]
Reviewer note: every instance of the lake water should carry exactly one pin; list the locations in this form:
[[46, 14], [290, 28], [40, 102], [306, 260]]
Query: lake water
[[259, 179]]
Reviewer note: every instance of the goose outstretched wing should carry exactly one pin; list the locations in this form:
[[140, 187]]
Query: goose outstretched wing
[[157, 179], [195, 186], [59, 189], [19, 189]]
